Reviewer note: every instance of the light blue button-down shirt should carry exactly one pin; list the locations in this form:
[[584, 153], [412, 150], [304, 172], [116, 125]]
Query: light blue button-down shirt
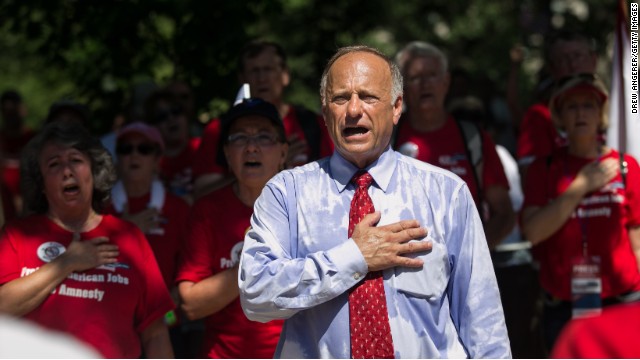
[[298, 262]]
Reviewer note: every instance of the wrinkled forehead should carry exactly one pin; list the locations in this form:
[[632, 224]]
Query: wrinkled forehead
[[55, 148], [358, 68]]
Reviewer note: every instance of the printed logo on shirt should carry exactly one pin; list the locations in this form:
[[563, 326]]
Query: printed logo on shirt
[[234, 256], [453, 163], [600, 204], [409, 149], [113, 267], [613, 186], [451, 160], [50, 250]]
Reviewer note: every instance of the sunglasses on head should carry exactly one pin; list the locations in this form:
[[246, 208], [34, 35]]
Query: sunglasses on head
[[142, 149]]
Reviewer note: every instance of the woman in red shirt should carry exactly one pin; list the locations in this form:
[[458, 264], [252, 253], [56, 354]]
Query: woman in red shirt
[[582, 211]]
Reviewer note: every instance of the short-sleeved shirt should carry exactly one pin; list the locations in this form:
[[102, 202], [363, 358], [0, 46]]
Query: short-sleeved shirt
[[107, 307], [445, 148], [216, 230], [602, 218]]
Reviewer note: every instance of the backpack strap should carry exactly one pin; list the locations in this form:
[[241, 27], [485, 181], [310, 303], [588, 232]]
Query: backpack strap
[[308, 121], [472, 137], [624, 169]]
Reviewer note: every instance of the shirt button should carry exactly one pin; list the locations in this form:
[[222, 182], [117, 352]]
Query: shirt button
[[357, 276]]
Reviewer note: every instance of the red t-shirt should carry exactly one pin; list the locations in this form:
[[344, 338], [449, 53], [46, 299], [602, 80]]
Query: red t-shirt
[[216, 230], [445, 148], [611, 335], [206, 157], [604, 214], [177, 172], [166, 240], [539, 137], [107, 307]]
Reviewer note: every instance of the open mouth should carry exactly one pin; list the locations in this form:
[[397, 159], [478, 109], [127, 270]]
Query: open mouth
[[252, 164], [354, 131], [71, 189]]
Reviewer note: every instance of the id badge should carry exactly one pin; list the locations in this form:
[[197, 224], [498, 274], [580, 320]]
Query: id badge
[[586, 287]]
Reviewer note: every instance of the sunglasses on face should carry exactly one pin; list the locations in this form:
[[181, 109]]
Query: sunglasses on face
[[262, 139], [142, 149]]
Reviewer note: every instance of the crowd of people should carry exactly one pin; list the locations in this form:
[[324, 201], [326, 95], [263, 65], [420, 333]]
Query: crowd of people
[[395, 223]]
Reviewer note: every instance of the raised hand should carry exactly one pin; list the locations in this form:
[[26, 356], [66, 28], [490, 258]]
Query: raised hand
[[596, 174], [146, 220], [383, 246], [89, 254], [297, 151]]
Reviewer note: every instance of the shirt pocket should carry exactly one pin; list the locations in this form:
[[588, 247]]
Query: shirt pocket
[[428, 282]]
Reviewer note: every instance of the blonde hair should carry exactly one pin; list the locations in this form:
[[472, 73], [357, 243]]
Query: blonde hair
[[585, 81]]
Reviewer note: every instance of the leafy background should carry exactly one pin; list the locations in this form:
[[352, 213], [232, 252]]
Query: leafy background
[[97, 52]]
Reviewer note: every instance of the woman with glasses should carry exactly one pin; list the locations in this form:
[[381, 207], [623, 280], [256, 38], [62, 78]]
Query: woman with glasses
[[140, 197], [255, 150], [582, 211], [70, 268]]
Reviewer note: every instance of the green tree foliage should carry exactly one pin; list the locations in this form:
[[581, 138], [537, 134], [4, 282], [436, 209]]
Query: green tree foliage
[[97, 51]]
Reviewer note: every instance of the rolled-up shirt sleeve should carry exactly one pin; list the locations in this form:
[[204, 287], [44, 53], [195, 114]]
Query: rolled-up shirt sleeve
[[275, 283]]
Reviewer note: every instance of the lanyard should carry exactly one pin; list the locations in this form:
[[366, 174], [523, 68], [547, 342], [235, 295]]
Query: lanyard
[[581, 220]]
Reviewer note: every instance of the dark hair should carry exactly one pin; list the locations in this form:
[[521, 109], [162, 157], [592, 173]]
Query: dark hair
[[152, 101], [81, 111], [566, 35], [77, 137], [11, 95], [256, 47]]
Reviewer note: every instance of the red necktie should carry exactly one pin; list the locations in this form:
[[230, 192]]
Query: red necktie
[[368, 316]]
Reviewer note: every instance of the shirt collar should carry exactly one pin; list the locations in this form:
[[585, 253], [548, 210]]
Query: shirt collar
[[381, 169]]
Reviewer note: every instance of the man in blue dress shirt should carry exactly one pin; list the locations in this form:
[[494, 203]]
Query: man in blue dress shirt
[[300, 264]]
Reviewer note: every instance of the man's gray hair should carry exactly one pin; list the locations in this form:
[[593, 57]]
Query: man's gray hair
[[420, 49], [396, 75]]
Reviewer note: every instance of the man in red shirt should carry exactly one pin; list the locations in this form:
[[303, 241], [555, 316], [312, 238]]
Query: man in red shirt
[[263, 65], [427, 132], [567, 53]]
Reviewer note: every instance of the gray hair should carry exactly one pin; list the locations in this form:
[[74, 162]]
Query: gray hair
[[396, 76], [77, 137], [420, 49]]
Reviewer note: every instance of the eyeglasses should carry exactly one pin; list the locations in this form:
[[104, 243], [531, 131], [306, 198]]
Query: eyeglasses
[[429, 77], [142, 149], [262, 139], [165, 114]]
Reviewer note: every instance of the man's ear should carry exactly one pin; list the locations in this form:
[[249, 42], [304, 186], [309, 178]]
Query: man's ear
[[286, 77], [397, 110]]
